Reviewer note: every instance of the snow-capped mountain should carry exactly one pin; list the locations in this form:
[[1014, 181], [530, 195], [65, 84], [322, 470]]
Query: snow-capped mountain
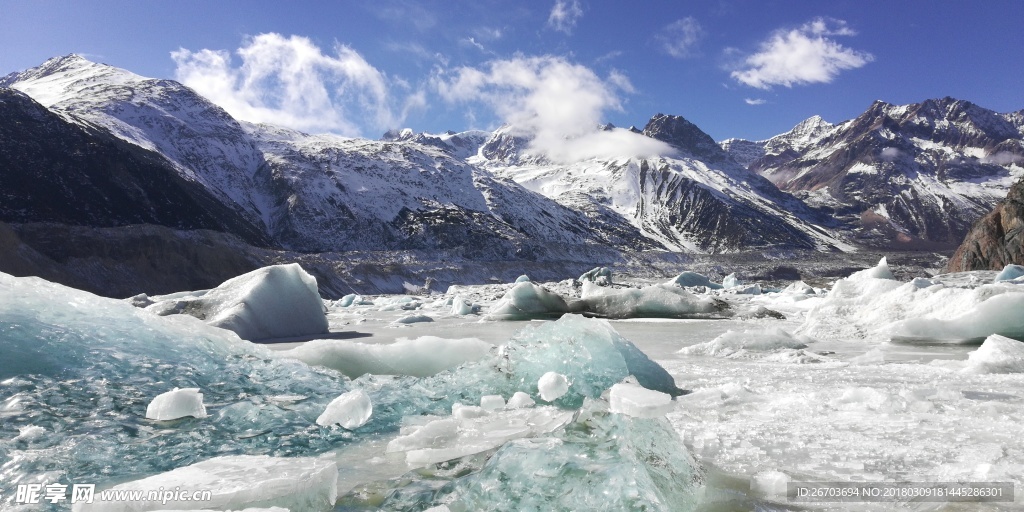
[[696, 200], [324, 193], [904, 174]]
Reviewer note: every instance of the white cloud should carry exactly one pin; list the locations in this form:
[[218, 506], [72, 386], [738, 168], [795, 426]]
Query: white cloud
[[801, 56], [890, 154], [1003, 158], [564, 15], [290, 82], [679, 39], [555, 103], [754, 101]]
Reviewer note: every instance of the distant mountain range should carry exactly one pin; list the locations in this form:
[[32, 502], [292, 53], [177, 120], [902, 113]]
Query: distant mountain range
[[86, 144]]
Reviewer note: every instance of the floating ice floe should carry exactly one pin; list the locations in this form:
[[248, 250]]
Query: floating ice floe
[[462, 307], [175, 404], [748, 344], [527, 300], [598, 275], [650, 301], [865, 306], [1010, 273], [731, 281], [279, 301], [637, 401], [350, 410], [880, 271], [693, 279], [998, 354], [238, 481], [523, 279], [419, 357], [413, 319]]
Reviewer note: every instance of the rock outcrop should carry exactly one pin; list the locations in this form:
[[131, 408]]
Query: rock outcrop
[[996, 239]]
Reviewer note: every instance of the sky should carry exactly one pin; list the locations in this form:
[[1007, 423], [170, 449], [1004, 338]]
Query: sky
[[735, 68]]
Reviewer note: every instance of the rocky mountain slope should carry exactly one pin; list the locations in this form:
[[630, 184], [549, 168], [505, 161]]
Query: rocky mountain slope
[[995, 240], [696, 200], [903, 175]]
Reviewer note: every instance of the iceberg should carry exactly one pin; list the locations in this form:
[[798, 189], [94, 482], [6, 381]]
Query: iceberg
[[527, 300], [648, 302], [1000, 314], [419, 357], [279, 301], [234, 482], [175, 404], [598, 275], [731, 281], [998, 354], [350, 410], [1010, 273], [520, 400], [880, 271], [693, 279], [462, 306], [523, 279]]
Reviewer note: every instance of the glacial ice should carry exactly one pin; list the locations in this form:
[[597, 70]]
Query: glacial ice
[[748, 343], [880, 271], [731, 281], [239, 481], [175, 404], [271, 302], [1010, 273], [693, 279], [999, 314], [492, 402], [419, 357], [461, 306], [575, 468], [519, 400], [527, 300], [648, 302], [552, 386], [998, 354], [598, 275], [637, 401], [770, 484], [523, 279], [413, 319], [351, 410]]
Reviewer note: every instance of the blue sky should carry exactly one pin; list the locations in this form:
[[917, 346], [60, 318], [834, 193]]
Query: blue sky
[[748, 69]]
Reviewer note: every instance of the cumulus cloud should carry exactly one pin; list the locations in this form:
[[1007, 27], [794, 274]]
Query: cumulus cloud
[[800, 56], [679, 39], [754, 101], [555, 103], [564, 15], [289, 81]]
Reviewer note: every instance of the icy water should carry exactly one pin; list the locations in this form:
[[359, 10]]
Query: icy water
[[821, 395]]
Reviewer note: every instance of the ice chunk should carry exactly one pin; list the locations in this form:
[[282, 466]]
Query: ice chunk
[[519, 400], [598, 275], [769, 484], [1010, 273], [492, 402], [873, 356], [420, 357], [734, 344], [638, 401], [552, 386], [30, 433], [346, 301], [998, 354], [238, 481], [1000, 314], [798, 287], [177, 403], [880, 271], [432, 435], [462, 306], [463, 412], [647, 302], [279, 301], [414, 319], [691, 279], [731, 281], [523, 279], [350, 410], [527, 300], [576, 468]]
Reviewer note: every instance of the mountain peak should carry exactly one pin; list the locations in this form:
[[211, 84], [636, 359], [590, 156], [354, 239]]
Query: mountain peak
[[682, 134]]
